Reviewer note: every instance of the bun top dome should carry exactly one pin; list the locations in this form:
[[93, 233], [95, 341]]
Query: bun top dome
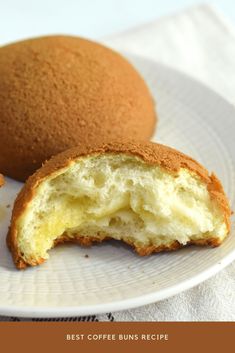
[[58, 91]]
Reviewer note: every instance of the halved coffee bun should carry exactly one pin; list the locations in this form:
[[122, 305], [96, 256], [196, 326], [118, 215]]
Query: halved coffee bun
[[145, 194]]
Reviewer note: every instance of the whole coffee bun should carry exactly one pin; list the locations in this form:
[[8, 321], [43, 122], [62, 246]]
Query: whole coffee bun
[[58, 91]]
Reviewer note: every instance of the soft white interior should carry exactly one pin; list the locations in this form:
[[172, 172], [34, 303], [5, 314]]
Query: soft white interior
[[120, 196]]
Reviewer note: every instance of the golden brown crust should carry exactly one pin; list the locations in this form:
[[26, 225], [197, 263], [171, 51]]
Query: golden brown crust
[[152, 153], [58, 91], [142, 251], [1, 180]]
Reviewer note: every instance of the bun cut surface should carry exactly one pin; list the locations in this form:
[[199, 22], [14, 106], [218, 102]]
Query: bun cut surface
[[59, 91], [148, 195]]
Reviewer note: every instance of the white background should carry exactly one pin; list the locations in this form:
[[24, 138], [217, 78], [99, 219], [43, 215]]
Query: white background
[[90, 18]]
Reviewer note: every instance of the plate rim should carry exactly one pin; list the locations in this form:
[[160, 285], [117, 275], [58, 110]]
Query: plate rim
[[141, 300], [126, 304]]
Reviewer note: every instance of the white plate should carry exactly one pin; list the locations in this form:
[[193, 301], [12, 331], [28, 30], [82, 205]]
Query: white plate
[[196, 121]]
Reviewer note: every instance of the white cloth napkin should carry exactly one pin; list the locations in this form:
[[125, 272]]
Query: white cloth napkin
[[200, 42]]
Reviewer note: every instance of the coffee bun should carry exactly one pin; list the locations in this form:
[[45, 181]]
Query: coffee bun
[[59, 91], [148, 195]]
